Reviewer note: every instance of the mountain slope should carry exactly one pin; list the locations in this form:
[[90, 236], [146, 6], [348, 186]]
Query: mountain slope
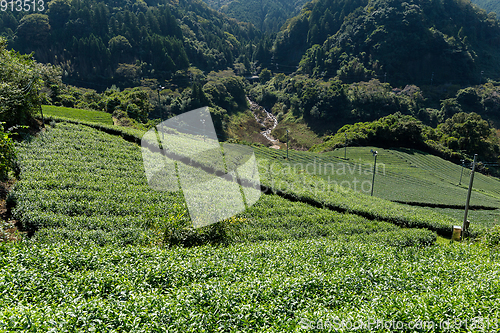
[[413, 42], [119, 42], [267, 15], [489, 5]]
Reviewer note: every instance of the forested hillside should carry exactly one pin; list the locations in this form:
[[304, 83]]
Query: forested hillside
[[489, 5], [90, 240], [419, 42], [267, 15], [104, 42], [348, 61]]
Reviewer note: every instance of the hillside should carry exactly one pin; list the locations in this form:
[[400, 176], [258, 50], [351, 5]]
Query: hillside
[[100, 259], [267, 15], [403, 175], [398, 42], [98, 43], [489, 6], [106, 229]]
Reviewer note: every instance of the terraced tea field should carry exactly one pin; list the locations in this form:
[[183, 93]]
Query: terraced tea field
[[298, 260], [77, 114], [402, 175], [274, 286]]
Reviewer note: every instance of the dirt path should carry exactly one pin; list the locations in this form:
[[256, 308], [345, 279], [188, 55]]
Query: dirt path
[[8, 226], [266, 119]]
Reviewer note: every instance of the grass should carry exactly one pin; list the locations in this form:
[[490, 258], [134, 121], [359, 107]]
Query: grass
[[94, 263], [78, 114]]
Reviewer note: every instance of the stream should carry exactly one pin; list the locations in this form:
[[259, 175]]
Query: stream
[[266, 119]]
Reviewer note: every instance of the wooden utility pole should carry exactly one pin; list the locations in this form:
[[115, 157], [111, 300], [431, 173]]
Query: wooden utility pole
[[287, 144], [471, 181], [374, 168], [462, 172], [345, 147]]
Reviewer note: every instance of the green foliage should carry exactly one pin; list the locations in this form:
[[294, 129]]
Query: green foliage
[[402, 175], [405, 42], [34, 30], [469, 132], [19, 85], [83, 193], [143, 106], [317, 21], [267, 15], [8, 158], [309, 187], [462, 132], [271, 286], [265, 75], [393, 130], [492, 238], [489, 6], [58, 12], [327, 106], [102, 42], [111, 204], [487, 218], [291, 264]]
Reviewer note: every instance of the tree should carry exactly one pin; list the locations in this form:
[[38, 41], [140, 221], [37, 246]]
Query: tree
[[120, 47], [33, 30], [19, 86], [265, 75], [58, 12], [469, 129]]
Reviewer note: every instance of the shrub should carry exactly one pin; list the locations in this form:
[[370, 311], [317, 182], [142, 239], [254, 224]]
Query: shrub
[[67, 100], [19, 86], [7, 155], [492, 238]]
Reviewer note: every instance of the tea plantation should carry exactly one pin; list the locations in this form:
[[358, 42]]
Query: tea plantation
[[77, 114], [402, 175], [102, 253]]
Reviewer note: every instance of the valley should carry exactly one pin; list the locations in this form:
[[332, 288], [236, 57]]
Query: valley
[[354, 124]]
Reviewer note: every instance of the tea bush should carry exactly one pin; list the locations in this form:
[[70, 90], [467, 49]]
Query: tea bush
[[8, 159], [267, 286], [96, 260]]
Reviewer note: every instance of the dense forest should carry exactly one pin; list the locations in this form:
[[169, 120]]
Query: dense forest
[[489, 5], [98, 43], [266, 15], [414, 42], [337, 62]]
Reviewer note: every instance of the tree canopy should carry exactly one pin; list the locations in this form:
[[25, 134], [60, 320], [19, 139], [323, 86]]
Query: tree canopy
[[91, 39], [403, 42], [20, 81]]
